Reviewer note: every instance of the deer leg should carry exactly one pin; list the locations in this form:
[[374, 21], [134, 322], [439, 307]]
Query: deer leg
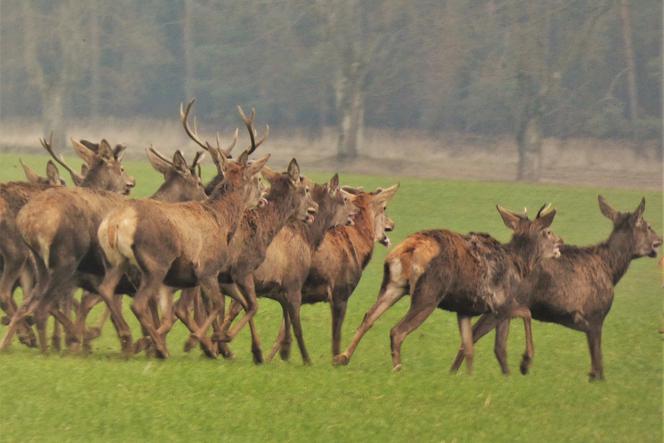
[[88, 301], [388, 296], [233, 312], [210, 286], [285, 348], [168, 312], [465, 330], [277, 343], [500, 345], [594, 336], [527, 358], [483, 326], [26, 309], [12, 272], [338, 315], [25, 332], [294, 303], [106, 291], [188, 298], [420, 309], [248, 290]]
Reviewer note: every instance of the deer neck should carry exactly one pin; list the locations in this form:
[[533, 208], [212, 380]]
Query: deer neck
[[617, 253], [270, 219], [228, 204], [522, 254], [362, 244]]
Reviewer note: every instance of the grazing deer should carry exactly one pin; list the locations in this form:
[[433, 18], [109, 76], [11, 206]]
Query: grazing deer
[[468, 274], [288, 258], [59, 226], [178, 245], [577, 289], [14, 254]]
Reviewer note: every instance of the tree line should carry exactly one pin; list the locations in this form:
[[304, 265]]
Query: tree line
[[525, 68]]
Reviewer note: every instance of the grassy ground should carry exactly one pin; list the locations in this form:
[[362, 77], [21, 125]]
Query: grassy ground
[[103, 397]]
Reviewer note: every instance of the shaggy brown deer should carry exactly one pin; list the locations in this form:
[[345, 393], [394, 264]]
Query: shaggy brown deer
[[577, 289], [59, 225], [468, 274], [288, 258], [178, 245]]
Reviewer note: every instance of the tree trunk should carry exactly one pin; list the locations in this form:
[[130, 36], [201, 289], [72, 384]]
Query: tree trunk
[[350, 107], [53, 113], [529, 143], [188, 49], [95, 62], [632, 92]]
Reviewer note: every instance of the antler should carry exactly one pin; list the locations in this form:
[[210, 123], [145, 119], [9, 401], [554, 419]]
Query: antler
[[216, 153], [545, 209], [249, 123], [161, 157], [48, 145]]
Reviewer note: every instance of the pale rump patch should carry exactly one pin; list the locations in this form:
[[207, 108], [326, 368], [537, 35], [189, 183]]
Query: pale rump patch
[[116, 236], [413, 256]]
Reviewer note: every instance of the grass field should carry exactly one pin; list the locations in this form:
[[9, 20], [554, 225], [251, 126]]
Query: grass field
[[105, 398]]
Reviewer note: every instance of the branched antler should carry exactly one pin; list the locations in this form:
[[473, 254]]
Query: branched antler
[[48, 145], [249, 123]]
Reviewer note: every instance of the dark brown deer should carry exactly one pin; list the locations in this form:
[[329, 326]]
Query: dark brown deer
[[59, 225], [577, 289], [177, 245], [467, 274], [288, 258]]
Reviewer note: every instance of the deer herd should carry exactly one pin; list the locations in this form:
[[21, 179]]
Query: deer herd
[[254, 232]]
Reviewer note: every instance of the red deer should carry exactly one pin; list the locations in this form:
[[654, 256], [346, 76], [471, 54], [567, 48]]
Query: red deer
[[467, 274], [182, 182], [288, 258], [58, 225], [177, 245], [14, 254], [577, 289], [289, 199], [338, 263]]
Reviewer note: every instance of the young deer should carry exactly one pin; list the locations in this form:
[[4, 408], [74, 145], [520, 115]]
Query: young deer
[[288, 258], [577, 289], [59, 224], [468, 274], [178, 245]]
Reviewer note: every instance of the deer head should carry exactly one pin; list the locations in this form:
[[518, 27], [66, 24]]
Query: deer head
[[52, 175], [182, 182], [633, 228], [534, 235], [290, 182]]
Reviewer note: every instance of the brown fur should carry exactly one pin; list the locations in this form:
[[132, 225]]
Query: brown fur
[[469, 274]]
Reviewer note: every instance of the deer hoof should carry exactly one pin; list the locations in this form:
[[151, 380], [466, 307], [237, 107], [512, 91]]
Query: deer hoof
[[396, 368], [190, 344], [341, 360]]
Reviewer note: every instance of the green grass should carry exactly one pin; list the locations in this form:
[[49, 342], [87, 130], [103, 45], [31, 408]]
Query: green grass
[[103, 397]]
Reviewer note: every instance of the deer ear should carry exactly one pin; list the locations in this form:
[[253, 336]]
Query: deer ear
[[86, 154], [180, 162], [334, 184], [606, 209], [30, 173], [294, 171], [256, 166], [385, 195], [641, 208], [105, 151], [243, 159], [510, 219], [53, 174], [159, 164], [545, 219], [119, 152]]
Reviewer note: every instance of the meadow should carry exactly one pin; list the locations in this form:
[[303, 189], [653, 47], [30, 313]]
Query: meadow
[[103, 397]]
